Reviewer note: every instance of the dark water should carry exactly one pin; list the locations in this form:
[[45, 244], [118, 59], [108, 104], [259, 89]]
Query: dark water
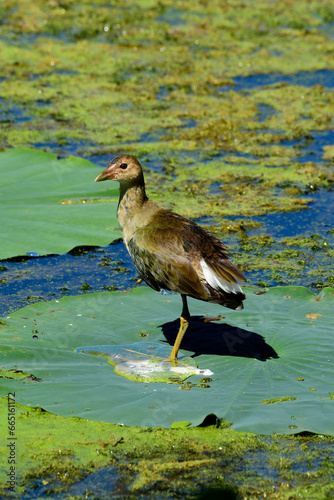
[[317, 219], [31, 279], [99, 484], [324, 77], [257, 463], [311, 148], [12, 114]]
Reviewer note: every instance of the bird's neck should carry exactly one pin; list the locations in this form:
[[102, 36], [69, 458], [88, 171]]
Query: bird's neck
[[132, 196], [131, 200]]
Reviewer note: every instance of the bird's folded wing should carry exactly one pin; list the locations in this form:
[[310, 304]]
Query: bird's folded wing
[[214, 253], [159, 256], [225, 270]]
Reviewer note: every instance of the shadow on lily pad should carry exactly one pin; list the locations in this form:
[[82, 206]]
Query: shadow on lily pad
[[221, 339]]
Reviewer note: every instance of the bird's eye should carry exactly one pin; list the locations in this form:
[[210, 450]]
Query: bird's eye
[[123, 166]]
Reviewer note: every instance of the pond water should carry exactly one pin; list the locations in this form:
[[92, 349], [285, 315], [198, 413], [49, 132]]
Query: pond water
[[317, 219], [324, 77], [30, 279], [311, 148], [102, 482]]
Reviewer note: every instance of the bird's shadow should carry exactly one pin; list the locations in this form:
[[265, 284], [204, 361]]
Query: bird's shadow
[[219, 338]]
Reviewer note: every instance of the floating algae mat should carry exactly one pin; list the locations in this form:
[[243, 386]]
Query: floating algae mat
[[185, 86]]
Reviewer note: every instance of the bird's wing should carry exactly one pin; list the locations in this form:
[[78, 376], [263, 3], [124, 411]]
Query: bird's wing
[[219, 272], [199, 245], [160, 257], [214, 254]]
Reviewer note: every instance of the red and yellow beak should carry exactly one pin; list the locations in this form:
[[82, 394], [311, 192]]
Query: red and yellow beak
[[107, 174]]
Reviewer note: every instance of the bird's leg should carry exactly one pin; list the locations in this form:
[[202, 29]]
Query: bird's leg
[[184, 323], [185, 311]]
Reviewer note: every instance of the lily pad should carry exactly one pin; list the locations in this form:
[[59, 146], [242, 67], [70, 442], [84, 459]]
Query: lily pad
[[49, 205], [272, 363]]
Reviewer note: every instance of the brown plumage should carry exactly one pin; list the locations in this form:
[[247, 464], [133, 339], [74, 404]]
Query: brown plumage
[[170, 251]]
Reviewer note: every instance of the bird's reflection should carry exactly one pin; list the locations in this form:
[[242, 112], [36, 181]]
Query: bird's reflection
[[219, 338]]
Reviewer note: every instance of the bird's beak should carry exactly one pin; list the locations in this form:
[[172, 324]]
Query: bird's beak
[[107, 174]]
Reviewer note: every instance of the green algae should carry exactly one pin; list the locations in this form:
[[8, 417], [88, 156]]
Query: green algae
[[278, 400], [284, 260], [158, 71], [248, 189], [56, 453], [314, 242], [15, 374], [328, 153]]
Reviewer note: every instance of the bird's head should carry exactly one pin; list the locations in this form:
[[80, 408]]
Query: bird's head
[[125, 169]]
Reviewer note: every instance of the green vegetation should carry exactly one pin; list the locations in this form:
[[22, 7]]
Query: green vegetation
[[57, 453], [138, 77]]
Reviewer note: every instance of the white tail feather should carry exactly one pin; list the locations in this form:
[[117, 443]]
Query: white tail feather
[[218, 283]]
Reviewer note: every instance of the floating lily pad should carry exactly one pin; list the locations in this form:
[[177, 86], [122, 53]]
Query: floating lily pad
[[146, 362], [272, 363], [49, 205]]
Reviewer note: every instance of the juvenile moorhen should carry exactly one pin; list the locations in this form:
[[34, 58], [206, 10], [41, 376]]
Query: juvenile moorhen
[[170, 251]]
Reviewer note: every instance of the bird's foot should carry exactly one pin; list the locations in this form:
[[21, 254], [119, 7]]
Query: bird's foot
[[173, 361]]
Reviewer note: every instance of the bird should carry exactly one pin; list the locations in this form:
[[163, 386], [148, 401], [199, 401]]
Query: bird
[[170, 251]]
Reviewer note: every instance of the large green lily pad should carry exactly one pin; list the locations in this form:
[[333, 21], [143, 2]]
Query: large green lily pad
[[49, 205], [272, 364]]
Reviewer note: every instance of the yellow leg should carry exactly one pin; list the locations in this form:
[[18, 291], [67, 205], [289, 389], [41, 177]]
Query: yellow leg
[[184, 323], [183, 327]]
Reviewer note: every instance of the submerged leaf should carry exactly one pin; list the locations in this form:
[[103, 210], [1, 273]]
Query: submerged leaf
[[146, 362]]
